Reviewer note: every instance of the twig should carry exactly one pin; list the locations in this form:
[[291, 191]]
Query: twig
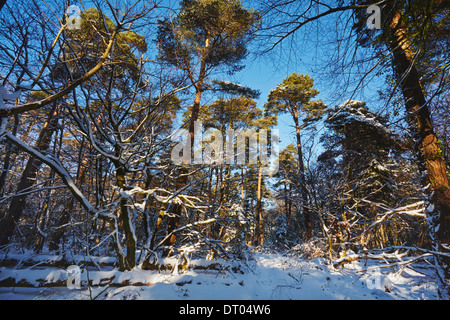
[[401, 263]]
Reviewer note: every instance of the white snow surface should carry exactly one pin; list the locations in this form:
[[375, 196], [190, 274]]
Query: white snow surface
[[268, 276]]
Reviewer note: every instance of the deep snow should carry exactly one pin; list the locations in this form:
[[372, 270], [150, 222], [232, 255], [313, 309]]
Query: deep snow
[[267, 276]]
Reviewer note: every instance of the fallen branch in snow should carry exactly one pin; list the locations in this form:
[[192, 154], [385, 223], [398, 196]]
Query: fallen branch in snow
[[361, 256], [396, 264], [31, 260], [57, 277], [383, 254], [438, 253]]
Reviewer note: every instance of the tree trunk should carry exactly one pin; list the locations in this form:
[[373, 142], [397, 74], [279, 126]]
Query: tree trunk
[[286, 212], [430, 160], [41, 219], [304, 191], [125, 216], [28, 179], [7, 161], [64, 218], [259, 234], [182, 180]]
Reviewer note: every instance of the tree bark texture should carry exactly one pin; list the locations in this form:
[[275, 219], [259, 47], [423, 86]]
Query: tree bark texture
[[430, 159], [125, 216], [304, 191]]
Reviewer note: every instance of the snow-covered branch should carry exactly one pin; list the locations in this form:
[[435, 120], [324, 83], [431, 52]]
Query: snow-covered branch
[[59, 169]]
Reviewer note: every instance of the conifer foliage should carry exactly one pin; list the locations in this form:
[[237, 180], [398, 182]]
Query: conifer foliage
[[91, 113]]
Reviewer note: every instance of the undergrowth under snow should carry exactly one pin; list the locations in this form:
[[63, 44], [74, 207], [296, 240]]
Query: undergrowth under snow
[[266, 276]]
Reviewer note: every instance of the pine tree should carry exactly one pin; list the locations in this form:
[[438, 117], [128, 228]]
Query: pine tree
[[294, 96], [205, 37], [287, 178], [409, 27]]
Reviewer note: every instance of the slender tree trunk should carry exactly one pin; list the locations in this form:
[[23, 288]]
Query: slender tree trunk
[[182, 180], [304, 192], [42, 218], [125, 216], [430, 158], [40, 225], [147, 214], [64, 217], [285, 197], [28, 179], [259, 234], [242, 185], [173, 223], [7, 161]]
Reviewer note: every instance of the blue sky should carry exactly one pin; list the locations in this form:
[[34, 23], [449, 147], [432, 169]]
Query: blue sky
[[264, 73], [307, 53]]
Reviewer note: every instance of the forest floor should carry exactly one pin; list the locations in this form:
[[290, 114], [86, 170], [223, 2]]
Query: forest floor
[[264, 276]]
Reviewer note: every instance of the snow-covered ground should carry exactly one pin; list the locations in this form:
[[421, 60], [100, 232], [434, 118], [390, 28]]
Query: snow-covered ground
[[267, 276]]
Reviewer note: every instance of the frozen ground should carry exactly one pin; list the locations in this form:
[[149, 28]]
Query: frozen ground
[[266, 277]]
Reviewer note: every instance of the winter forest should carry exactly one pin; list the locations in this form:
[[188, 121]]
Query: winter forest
[[224, 149]]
